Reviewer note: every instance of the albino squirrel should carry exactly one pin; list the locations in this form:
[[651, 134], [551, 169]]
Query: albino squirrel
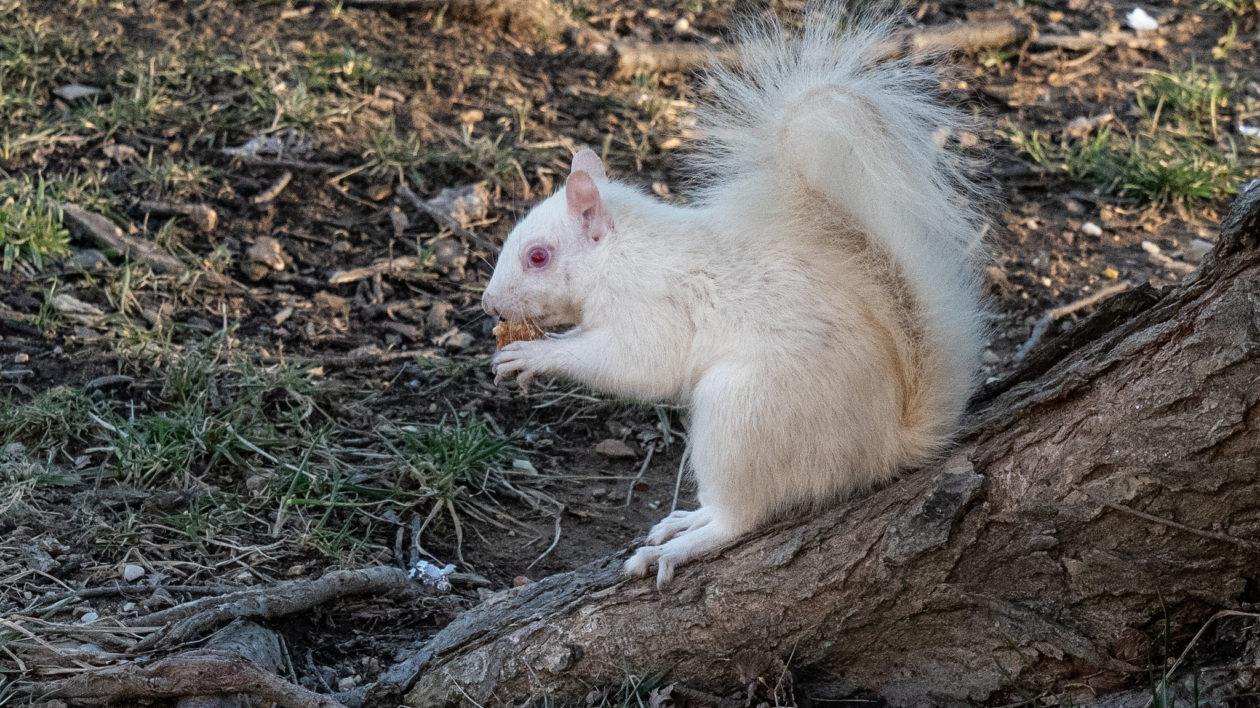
[[816, 307]]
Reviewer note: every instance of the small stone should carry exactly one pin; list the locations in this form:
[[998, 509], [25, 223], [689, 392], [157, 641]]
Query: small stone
[[1158, 259], [132, 572], [89, 259], [71, 92], [348, 683], [120, 153], [520, 581], [1074, 207], [1089, 228], [1150, 248], [1197, 249], [1179, 266], [129, 607], [615, 449], [21, 358], [990, 357], [1030, 224], [682, 26], [450, 257], [257, 482], [89, 618], [267, 251], [464, 204], [1112, 273], [456, 340]]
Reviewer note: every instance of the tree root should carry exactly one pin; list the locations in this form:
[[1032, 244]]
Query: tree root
[[188, 621]]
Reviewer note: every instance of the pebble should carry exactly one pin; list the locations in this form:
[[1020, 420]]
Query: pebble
[[614, 449], [1150, 248], [682, 25], [132, 572], [1089, 228], [991, 357], [520, 581], [1111, 273], [89, 618], [21, 358], [89, 259], [1197, 249]]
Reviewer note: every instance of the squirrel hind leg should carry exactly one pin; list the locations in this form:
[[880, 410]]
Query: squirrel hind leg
[[683, 548]]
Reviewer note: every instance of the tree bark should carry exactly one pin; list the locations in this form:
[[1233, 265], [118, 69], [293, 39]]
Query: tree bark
[[1098, 497]]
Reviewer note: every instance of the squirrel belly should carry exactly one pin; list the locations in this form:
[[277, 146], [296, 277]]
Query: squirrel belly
[[816, 308]]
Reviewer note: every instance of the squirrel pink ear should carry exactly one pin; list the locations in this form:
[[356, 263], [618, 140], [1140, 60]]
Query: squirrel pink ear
[[587, 161], [582, 197]]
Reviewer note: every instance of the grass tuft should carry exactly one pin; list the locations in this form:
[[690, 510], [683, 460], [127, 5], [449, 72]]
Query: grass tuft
[[31, 228]]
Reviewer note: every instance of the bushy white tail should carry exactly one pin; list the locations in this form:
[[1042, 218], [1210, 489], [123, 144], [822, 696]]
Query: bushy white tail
[[822, 109]]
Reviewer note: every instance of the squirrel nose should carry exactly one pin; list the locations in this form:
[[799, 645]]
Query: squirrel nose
[[489, 307]]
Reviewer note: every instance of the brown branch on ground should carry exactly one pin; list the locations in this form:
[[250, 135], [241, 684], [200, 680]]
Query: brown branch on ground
[[1058, 313], [201, 673], [289, 163], [406, 267], [273, 191], [190, 620], [634, 57], [106, 233], [202, 215]]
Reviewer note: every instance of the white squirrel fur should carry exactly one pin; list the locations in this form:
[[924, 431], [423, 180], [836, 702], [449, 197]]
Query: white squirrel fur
[[815, 308]]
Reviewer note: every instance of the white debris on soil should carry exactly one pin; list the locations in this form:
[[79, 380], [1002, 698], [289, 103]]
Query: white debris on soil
[[1140, 21], [430, 574]]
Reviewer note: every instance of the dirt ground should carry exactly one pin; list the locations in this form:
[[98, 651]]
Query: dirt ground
[[260, 412]]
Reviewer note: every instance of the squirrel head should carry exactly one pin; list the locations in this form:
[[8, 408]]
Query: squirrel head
[[547, 263]]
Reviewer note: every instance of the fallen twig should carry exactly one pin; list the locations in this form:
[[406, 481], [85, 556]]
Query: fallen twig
[[634, 57], [404, 266], [109, 235], [1043, 324], [445, 220], [185, 622], [274, 190], [289, 163], [202, 215]]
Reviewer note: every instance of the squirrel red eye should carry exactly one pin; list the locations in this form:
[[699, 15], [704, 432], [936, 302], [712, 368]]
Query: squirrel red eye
[[538, 257]]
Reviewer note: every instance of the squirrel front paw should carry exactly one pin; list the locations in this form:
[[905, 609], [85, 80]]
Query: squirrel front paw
[[701, 536], [521, 360]]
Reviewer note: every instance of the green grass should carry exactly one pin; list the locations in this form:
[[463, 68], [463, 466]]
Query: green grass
[[1176, 155], [1232, 7], [50, 420], [31, 229], [400, 156], [165, 177], [453, 459], [1189, 100], [210, 416]]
